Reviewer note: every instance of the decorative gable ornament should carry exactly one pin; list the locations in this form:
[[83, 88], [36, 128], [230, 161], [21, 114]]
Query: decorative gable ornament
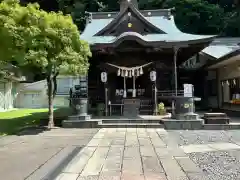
[[129, 25]]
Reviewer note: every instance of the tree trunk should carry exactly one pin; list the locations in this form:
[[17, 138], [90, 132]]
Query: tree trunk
[[50, 102], [55, 85]]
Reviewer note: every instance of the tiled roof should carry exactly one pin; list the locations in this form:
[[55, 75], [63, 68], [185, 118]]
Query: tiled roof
[[163, 22], [219, 48]]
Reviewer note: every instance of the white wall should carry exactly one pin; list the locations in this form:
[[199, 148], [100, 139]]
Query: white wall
[[227, 72], [7, 97], [64, 85]]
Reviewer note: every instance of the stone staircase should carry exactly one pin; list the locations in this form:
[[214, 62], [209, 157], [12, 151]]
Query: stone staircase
[[216, 118]]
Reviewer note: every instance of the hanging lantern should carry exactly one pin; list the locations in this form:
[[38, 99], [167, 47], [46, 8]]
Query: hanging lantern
[[119, 72], [126, 73], [141, 70], [234, 82], [222, 83]]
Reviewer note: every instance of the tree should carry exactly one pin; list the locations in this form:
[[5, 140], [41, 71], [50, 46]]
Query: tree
[[48, 41]]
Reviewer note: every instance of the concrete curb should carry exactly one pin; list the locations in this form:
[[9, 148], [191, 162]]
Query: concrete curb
[[53, 167]]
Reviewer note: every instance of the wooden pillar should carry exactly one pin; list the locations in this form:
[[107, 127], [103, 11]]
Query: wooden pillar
[[175, 70], [175, 53]]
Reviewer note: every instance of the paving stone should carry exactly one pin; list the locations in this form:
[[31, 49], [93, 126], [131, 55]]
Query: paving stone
[[147, 151], [224, 146], [95, 177], [118, 142], [188, 165], [170, 165], [131, 141], [131, 152], [80, 161], [110, 175], [144, 141], [105, 142], [151, 165], [152, 134], [160, 176], [157, 142], [112, 164], [163, 152], [131, 130], [197, 148], [95, 163], [133, 166], [94, 142], [141, 132], [115, 151], [129, 176], [67, 176]]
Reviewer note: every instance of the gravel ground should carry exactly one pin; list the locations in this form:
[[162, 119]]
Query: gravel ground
[[218, 165]]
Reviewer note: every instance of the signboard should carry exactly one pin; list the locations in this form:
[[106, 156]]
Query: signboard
[[153, 75], [104, 77], [188, 90]]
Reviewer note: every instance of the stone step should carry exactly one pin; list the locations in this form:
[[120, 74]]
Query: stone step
[[131, 125], [208, 115], [124, 121], [217, 120]]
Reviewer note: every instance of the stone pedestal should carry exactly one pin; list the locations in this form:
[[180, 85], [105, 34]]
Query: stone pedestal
[[80, 118], [184, 116], [131, 107], [185, 109]]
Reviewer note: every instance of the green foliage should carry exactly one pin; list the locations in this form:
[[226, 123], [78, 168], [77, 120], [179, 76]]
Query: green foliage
[[161, 109], [49, 41], [46, 41], [192, 16]]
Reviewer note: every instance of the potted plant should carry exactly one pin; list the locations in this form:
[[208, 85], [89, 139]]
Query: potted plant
[[161, 109]]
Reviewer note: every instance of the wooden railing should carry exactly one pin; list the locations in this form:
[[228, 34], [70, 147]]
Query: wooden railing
[[170, 93]]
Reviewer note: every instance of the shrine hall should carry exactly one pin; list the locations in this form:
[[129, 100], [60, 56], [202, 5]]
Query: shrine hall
[[139, 52]]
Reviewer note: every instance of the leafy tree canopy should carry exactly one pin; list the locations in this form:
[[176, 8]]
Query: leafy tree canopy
[[47, 41], [192, 16]]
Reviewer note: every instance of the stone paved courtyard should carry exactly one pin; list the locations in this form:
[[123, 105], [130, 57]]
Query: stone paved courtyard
[[128, 154], [21, 156], [124, 154]]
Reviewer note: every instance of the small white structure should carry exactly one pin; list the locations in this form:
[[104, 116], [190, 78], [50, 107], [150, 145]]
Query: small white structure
[[8, 94], [34, 95]]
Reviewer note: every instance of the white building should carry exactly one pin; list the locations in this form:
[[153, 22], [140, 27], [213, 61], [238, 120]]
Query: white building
[[34, 95]]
